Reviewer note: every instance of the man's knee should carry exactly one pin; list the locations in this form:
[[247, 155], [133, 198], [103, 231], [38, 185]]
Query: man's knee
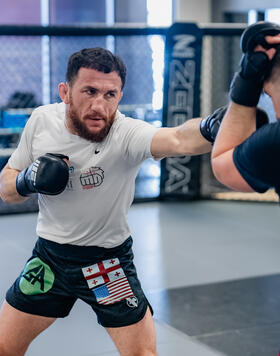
[[143, 353], [143, 350]]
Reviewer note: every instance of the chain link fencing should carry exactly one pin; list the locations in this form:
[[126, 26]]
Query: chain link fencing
[[32, 66]]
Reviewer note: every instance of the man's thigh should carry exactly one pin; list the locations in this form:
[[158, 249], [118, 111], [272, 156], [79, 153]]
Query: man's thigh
[[18, 329], [136, 339]]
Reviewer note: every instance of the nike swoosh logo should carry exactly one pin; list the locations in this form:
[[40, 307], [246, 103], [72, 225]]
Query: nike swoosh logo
[[96, 151]]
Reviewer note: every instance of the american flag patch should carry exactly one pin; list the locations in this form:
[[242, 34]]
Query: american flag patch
[[113, 292]]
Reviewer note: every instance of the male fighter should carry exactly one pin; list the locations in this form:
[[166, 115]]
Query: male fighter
[[82, 157]]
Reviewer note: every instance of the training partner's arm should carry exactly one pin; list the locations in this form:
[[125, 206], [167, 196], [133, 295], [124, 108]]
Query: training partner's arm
[[238, 123]]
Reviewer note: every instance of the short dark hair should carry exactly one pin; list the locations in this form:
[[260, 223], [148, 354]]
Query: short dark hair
[[95, 58]]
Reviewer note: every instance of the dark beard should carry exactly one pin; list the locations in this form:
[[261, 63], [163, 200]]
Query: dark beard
[[82, 131]]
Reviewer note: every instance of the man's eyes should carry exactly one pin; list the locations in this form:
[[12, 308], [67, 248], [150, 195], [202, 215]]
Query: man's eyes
[[109, 94], [90, 91]]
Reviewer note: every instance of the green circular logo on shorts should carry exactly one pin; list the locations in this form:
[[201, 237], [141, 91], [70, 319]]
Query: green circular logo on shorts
[[36, 278]]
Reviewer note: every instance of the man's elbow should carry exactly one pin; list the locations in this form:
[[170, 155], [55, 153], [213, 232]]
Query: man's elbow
[[218, 170], [222, 171], [227, 174], [223, 167]]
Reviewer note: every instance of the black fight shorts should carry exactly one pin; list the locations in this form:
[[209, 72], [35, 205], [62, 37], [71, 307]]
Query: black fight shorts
[[58, 274]]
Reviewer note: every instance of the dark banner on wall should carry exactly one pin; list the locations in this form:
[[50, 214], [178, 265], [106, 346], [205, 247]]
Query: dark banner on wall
[[180, 176]]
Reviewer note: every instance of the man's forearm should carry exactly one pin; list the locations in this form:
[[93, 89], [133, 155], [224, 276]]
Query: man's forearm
[[239, 123], [8, 192], [190, 139], [182, 140]]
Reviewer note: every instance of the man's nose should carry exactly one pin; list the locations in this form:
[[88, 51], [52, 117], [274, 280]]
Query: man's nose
[[97, 103]]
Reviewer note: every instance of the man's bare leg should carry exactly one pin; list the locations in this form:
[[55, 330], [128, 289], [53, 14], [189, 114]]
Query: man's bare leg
[[136, 340], [18, 329]]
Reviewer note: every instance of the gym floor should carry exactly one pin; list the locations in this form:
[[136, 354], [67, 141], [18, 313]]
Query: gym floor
[[209, 268]]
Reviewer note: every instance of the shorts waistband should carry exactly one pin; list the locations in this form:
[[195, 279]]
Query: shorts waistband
[[80, 251]]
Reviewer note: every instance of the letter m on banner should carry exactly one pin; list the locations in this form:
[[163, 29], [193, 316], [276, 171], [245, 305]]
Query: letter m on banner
[[180, 176]]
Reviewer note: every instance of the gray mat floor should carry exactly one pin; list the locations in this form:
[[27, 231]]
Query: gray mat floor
[[211, 270]]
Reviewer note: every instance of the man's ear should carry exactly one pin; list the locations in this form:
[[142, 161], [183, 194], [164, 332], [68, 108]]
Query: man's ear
[[63, 90]]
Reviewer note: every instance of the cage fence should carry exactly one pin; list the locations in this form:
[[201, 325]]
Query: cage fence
[[32, 66]]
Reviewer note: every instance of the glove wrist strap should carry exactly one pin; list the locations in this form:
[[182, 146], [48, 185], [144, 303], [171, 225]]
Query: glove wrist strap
[[245, 91], [21, 185]]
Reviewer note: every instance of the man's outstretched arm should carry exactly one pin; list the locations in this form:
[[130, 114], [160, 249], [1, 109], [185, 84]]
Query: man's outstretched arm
[[182, 140]]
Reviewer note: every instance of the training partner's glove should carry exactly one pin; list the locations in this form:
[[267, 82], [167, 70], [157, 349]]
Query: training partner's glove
[[247, 84], [210, 125], [48, 174]]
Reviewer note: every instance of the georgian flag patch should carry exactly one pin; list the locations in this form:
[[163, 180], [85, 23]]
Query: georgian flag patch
[[108, 281]]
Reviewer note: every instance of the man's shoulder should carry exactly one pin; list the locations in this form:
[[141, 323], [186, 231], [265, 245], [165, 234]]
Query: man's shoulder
[[123, 122], [56, 108], [46, 113]]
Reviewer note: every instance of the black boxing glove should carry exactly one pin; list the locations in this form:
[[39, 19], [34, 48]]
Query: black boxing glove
[[255, 35], [247, 84], [48, 174], [209, 126]]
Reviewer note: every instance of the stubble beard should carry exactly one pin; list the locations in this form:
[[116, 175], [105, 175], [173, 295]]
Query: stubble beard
[[81, 129]]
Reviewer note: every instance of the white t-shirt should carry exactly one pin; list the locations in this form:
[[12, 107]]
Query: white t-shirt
[[93, 208]]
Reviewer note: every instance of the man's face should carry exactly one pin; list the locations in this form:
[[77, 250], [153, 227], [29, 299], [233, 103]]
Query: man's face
[[93, 100]]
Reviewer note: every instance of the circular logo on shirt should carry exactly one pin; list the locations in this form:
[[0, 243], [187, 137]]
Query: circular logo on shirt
[[36, 278], [92, 177]]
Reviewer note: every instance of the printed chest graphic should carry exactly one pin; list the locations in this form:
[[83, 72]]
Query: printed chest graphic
[[91, 177], [87, 178]]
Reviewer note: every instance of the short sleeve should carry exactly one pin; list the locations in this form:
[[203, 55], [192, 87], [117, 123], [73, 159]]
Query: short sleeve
[[257, 158], [138, 137], [22, 156]]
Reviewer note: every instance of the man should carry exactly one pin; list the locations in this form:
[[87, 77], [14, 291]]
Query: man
[[82, 157], [242, 158]]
